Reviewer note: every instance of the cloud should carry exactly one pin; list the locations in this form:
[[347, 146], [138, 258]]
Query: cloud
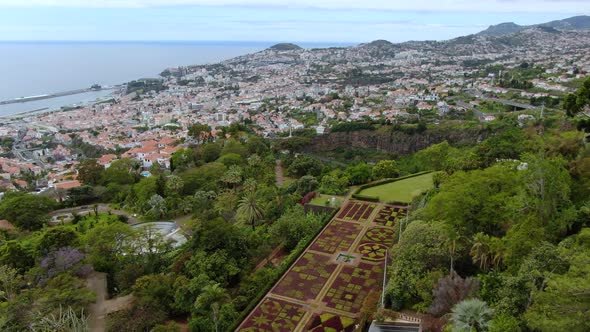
[[492, 6]]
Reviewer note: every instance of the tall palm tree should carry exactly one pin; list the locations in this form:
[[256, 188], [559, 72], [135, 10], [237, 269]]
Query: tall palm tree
[[471, 315], [248, 209], [454, 243], [212, 297]]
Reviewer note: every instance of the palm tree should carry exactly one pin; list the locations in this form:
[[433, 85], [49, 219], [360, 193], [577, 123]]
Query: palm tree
[[248, 209], [454, 243], [488, 251], [212, 297], [481, 250], [471, 315]]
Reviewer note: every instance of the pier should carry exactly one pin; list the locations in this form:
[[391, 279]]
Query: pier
[[53, 95]]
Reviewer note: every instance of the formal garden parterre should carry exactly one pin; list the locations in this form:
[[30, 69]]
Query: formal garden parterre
[[390, 215], [330, 291], [327, 322], [274, 315], [339, 236], [353, 285], [306, 278], [357, 211]]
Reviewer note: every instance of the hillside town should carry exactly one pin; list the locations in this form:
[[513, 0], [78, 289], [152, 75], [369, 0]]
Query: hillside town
[[286, 89]]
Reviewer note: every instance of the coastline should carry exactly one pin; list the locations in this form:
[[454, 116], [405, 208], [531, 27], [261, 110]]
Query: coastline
[[19, 115]]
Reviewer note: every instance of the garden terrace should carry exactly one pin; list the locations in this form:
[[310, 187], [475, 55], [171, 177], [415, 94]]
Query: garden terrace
[[328, 284]]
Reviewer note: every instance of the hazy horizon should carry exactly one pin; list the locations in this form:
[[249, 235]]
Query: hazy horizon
[[298, 21]]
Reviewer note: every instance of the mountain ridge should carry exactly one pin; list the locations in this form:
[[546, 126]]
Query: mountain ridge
[[574, 23]]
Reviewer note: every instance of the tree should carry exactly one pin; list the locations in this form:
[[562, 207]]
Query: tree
[[548, 191], [561, 302], [174, 185], [26, 211], [487, 251], [450, 290], [180, 159], [219, 266], [210, 152], [144, 190], [232, 146], [418, 259], [576, 102], [200, 132], [226, 203], [56, 238], [305, 165], [123, 171], [106, 244], [90, 171], [505, 145], [65, 260], [385, 169], [471, 315], [359, 173], [477, 201], [140, 317], [157, 289], [231, 159], [304, 185], [212, 297], [157, 206], [13, 254], [504, 323], [10, 282], [248, 209], [233, 176], [256, 145], [204, 178], [80, 195], [293, 226], [334, 183], [435, 157], [64, 291]]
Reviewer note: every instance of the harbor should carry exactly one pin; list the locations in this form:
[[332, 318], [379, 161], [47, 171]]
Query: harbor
[[93, 88]]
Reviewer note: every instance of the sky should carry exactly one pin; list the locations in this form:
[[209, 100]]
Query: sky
[[323, 21]]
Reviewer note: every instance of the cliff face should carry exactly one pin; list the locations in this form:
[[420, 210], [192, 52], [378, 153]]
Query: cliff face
[[396, 142]]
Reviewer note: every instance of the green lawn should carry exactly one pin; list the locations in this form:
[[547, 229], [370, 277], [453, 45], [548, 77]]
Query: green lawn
[[401, 191], [321, 201]]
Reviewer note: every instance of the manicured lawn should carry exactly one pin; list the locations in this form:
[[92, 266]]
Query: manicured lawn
[[401, 191], [321, 201]]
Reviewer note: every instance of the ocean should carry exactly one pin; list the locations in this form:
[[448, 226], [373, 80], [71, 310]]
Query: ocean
[[37, 68]]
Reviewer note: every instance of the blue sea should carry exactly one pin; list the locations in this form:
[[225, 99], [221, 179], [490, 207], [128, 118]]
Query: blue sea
[[37, 68]]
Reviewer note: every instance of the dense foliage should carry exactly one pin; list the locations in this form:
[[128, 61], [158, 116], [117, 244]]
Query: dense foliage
[[502, 242], [506, 214]]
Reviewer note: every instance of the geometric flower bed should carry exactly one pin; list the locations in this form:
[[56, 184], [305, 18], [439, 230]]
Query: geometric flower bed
[[380, 235], [351, 287], [357, 211], [305, 280], [343, 297], [373, 251], [274, 315], [389, 215], [338, 236], [329, 323]]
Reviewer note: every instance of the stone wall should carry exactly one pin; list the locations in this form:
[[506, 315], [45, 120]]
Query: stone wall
[[395, 142]]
